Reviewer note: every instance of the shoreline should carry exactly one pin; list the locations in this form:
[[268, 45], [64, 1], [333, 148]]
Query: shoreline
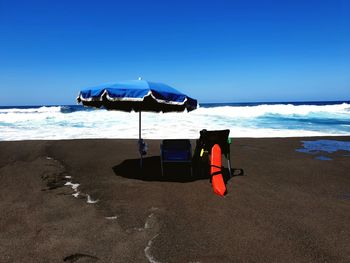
[[343, 136], [289, 206]]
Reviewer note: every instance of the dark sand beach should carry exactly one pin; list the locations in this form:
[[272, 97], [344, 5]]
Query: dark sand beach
[[289, 206]]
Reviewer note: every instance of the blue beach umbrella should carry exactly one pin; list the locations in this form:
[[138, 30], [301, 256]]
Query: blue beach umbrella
[[137, 95]]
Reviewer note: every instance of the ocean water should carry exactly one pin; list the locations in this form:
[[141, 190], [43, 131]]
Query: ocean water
[[317, 147], [296, 119]]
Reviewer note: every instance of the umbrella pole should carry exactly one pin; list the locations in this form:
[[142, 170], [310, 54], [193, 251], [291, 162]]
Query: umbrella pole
[[139, 125], [140, 137]]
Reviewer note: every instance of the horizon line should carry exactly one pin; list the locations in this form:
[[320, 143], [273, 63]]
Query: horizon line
[[212, 103]]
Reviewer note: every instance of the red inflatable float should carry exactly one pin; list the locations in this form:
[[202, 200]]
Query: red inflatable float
[[216, 172]]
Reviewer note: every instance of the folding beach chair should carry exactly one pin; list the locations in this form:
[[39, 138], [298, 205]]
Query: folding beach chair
[[176, 151], [204, 144]]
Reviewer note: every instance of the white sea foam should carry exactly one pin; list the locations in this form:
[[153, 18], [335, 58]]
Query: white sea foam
[[74, 186], [44, 109], [90, 200], [148, 223], [277, 109], [283, 120], [111, 217], [147, 250]]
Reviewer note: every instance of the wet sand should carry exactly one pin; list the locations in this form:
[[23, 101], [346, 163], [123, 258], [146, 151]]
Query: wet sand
[[288, 207]]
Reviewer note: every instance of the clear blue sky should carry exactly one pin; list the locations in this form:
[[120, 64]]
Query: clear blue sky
[[215, 51]]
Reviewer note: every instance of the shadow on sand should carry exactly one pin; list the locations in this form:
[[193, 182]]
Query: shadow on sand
[[151, 171]]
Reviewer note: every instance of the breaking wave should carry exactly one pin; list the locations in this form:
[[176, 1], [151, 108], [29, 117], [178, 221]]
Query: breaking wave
[[261, 120]]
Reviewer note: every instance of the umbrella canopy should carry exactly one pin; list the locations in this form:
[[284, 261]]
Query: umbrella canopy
[[137, 95]]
